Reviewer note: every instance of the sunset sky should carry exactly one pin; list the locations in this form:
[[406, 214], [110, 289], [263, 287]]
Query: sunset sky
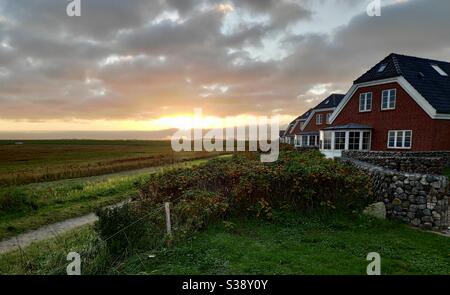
[[140, 65]]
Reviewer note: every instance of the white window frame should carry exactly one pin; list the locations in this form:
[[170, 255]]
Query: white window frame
[[439, 70], [365, 109], [347, 139], [322, 140], [319, 119], [328, 116], [389, 99], [403, 147]]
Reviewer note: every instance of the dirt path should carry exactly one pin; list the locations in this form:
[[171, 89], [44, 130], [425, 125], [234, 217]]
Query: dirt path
[[49, 231], [45, 232]]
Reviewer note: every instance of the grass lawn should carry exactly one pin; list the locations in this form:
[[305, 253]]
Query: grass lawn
[[31, 206], [292, 244], [447, 172]]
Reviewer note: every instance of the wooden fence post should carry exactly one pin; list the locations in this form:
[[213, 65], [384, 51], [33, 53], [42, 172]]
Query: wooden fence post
[[168, 222]]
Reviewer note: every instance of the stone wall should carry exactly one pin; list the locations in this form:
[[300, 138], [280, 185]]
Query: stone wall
[[419, 199], [415, 162]]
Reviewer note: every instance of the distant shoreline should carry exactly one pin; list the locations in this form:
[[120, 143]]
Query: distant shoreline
[[87, 135]]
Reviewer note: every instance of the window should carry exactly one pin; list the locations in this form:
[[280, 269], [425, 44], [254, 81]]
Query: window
[[339, 141], [400, 139], [382, 68], [353, 140], [439, 70], [304, 140], [365, 102], [313, 140], [328, 118], [388, 99], [319, 119], [327, 140], [366, 141]]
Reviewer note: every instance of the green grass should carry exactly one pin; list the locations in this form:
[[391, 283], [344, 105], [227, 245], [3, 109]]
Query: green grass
[[31, 206], [49, 257], [292, 244], [447, 172], [46, 160], [302, 245]]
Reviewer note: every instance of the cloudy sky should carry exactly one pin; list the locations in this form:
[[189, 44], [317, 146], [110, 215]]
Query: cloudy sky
[[145, 65]]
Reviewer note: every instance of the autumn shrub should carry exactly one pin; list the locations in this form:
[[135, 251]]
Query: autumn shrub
[[242, 185]]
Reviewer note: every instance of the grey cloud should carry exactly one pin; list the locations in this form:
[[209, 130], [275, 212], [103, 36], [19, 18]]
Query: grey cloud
[[65, 78]]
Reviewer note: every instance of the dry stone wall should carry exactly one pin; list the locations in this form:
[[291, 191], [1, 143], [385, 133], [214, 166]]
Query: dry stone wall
[[419, 199], [415, 162]]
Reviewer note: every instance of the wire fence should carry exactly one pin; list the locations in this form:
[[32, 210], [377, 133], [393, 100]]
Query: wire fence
[[88, 252]]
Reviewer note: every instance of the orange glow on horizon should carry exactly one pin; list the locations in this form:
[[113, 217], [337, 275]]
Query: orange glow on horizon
[[176, 121]]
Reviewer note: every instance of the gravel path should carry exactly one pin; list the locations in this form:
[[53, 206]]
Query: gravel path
[[49, 231], [45, 232]]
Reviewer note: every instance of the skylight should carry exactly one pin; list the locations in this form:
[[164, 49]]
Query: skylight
[[439, 70], [382, 68]]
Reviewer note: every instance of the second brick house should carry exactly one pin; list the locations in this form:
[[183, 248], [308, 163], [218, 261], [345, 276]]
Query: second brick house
[[307, 131]]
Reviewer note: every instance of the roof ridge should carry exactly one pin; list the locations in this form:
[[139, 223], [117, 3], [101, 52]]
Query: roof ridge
[[420, 58], [396, 64]]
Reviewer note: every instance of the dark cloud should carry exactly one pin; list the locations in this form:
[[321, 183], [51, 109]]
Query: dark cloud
[[144, 59]]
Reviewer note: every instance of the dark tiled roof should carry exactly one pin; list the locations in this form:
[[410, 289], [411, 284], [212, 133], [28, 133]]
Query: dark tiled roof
[[419, 72], [350, 126], [331, 101], [305, 115], [290, 129], [310, 133]]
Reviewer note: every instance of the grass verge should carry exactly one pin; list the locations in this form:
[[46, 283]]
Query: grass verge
[[291, 244]]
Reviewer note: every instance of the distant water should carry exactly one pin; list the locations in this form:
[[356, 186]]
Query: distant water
[[101, 135]]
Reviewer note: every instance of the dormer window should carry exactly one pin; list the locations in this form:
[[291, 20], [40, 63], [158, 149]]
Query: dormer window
[[329, 118], [382, 68], [319, 119], [439, 70]]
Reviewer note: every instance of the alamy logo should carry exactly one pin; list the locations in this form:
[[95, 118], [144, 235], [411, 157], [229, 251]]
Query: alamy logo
[[74, 8], [74, 267], [374, 8], [374, 267], [261, 133]]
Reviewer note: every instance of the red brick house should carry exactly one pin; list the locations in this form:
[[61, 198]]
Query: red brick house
[[288, 136], [401, 104], [307, 132]]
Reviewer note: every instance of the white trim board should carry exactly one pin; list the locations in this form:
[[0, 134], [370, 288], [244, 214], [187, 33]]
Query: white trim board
[[416, 96], [313, 112]]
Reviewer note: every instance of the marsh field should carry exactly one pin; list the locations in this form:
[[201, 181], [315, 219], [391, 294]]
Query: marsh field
[[46, 181], [31, 161]]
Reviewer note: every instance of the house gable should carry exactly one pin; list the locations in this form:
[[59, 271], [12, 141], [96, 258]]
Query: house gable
[[426, 80], [406, 86], [328, 105], [427, 133]]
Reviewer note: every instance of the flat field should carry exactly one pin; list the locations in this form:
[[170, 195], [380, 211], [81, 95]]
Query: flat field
[[23, 162], [46, 181]]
